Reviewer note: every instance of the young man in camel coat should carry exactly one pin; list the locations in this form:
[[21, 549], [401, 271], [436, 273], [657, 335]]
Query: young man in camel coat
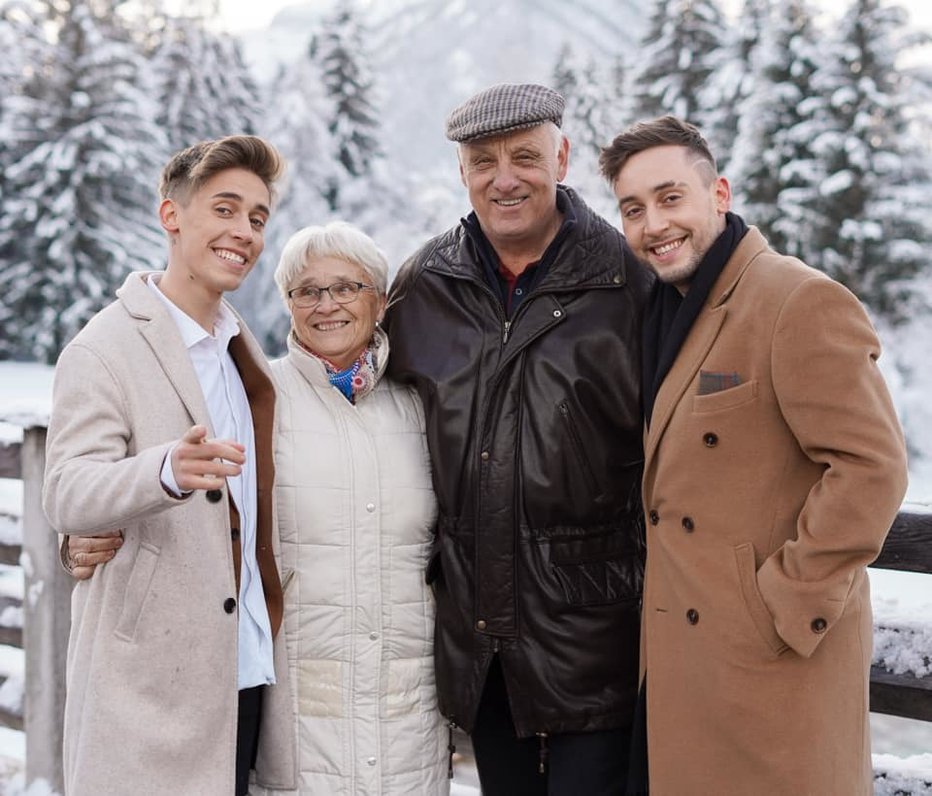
[[162, 425], [774, 465]]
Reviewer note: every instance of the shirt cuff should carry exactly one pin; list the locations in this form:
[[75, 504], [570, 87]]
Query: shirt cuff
[[167, 477]]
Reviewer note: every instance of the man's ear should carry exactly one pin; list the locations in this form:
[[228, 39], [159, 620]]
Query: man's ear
[[168, 216], [563, 159], [722, 195]]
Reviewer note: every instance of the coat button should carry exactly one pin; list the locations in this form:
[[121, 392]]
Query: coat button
[[654, 517], [229, 605], [709, 439], [480, 625], [692, 616], [234, 534], [819, 625], [373, 636], [484, 456], [371, 761], [558, 313], [214, 495], [688, 524], [370, 507]]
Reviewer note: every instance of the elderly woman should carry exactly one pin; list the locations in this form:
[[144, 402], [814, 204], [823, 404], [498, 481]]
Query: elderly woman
[[355, 510]]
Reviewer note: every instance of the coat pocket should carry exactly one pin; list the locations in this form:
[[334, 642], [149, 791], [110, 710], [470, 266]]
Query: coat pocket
[[597, 569], [589, 481], [725, 399], [757, 608], [137, 589]]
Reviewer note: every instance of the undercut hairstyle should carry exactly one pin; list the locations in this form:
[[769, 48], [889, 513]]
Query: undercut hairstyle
[[665, 131], [337, 239], [190, 168]]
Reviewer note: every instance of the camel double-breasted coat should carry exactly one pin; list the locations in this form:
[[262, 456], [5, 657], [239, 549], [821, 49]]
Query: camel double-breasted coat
[[151, 700], [764, 502]]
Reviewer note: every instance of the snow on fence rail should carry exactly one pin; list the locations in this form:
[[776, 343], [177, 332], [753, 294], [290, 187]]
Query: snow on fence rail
[[896, 690]]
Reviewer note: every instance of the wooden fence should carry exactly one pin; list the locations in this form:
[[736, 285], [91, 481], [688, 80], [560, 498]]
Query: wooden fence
[[46, 616]]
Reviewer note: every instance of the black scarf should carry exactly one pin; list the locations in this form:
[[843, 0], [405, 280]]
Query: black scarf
[[670, 316]]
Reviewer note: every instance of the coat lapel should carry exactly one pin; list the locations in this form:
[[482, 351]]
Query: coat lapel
[[700, 340], [160, 332], [691, 356]]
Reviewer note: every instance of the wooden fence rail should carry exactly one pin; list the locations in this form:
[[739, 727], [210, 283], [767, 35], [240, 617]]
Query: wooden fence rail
[[46, 616]]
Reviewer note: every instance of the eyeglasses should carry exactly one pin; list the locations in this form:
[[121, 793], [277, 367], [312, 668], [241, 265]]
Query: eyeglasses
[[307, 296]]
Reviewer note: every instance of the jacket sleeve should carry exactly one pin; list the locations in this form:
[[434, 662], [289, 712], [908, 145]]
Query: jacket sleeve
[[91, 483], [833, 397], [401, 284]]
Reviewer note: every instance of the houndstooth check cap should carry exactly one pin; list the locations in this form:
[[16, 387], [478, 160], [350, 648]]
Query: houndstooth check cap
[[503, 108]]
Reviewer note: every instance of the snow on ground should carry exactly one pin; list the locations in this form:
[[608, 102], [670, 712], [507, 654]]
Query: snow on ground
[[25, 396]]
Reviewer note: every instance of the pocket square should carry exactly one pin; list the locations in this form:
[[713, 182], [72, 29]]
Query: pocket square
[[711, 381]]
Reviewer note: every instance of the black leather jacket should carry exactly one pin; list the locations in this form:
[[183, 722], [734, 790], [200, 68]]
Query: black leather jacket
[[535, 434]]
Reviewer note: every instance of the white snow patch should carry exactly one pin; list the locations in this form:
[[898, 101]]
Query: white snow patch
[[11, 694]]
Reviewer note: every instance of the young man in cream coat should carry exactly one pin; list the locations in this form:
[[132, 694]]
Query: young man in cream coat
[[162, 425], [774, 466]]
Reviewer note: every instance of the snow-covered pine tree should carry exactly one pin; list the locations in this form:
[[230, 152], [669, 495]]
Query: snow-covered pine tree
[[684, 45], [875, 201], [565, 78], [23, 46], [295, 121], [375, 193], [204, 88], [775, 174], [341, 52], [732, 82], [591, 95], [79, 210]]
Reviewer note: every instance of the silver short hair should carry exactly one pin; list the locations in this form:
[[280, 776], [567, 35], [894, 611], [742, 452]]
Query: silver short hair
[[337, 239]]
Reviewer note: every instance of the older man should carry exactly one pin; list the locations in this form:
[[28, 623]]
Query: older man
[[774, 467], [520, 329]]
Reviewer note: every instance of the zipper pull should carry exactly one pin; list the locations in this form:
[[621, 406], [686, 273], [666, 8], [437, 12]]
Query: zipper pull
[[542, 764], [451, 749], [507, 329]]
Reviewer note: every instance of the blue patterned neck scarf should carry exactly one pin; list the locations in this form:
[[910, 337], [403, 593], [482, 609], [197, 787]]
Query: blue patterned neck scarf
[[356, 380]]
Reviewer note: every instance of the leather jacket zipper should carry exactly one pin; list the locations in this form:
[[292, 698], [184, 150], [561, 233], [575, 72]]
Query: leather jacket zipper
[[507, 329], [542, 753], [451, 748]]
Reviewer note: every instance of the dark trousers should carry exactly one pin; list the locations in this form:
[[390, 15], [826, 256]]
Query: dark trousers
[[593, 763], [247, 735]]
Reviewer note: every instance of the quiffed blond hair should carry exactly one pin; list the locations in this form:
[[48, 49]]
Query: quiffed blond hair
[[190, 168]]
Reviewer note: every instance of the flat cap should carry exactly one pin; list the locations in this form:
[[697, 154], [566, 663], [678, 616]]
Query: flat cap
[[503, 108]]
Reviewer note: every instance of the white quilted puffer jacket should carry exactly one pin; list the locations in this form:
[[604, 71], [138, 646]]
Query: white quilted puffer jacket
[[355, 510]]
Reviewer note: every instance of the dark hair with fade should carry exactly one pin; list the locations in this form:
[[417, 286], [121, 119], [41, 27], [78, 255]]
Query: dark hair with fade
[[664, 131], [190, 168]]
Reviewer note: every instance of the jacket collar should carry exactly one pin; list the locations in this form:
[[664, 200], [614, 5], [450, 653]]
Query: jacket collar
[[313, 369], [602, 263], [751, 245]]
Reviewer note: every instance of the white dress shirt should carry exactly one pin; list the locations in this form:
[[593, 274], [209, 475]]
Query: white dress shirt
[[231, 418]]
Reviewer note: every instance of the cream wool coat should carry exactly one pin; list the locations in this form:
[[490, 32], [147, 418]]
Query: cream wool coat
[[764, 503], [356, 509], [152, 659]]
